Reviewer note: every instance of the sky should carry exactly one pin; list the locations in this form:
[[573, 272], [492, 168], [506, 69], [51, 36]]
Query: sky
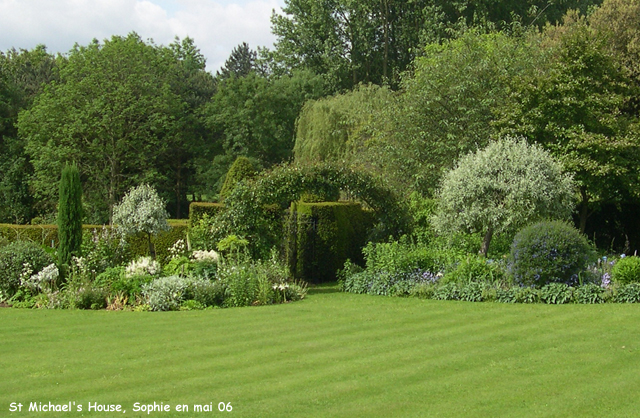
[[215, 25]]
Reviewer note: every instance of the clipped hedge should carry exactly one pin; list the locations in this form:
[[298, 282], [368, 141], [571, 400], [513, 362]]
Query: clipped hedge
[[322, 236], [139, 246], [47, 235], [44, 235], [197, 209]]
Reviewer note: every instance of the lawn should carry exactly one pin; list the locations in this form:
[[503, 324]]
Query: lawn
[[331, 355]]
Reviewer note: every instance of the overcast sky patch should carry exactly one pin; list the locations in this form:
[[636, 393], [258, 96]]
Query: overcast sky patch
[[215, 25]]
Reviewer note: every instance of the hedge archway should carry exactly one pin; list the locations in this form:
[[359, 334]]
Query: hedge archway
[[252, 209]]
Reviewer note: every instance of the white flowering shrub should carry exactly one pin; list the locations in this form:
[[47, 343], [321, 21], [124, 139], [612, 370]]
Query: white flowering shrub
[[202, 255], [142, 266], [43, 281], [178, 249]]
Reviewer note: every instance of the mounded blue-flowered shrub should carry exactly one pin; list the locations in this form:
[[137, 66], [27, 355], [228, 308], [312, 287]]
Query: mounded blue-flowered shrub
[[549, 252]]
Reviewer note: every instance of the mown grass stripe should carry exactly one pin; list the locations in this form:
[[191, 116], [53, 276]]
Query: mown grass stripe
[[334, 355]]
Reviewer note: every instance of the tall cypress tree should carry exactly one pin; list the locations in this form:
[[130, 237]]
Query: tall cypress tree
[[69, 215]]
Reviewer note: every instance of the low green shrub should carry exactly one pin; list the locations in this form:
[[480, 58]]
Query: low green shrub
[[589, 293], [130, 286], [13, 260], [90, 297], [109, 276], [191, 305], [178, 266], [626, 270], [472, 291], [357, 282], [447, 291], [423, 290], [102, 248], [205, 292], [527, 295], [402, 257], [165, 293], [628, 293], [241, 284], [474, 268], [556, 293], [549, 252]]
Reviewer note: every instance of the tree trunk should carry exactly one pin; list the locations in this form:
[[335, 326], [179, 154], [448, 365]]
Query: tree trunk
[[179, 192], [152, 251], [584, 209], [484, 249], [385, 62]]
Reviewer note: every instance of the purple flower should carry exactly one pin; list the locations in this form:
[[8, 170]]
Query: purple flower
[[606, 280]]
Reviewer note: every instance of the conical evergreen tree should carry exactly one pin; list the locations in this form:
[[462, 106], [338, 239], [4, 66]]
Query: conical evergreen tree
[[241, 169], [240, 63], [69, 215]]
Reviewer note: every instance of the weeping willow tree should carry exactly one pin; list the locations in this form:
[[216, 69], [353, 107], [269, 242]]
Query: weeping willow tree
[[340, 127]]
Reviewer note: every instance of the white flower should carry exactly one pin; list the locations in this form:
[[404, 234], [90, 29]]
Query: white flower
[[46, 276], [178, 248], [142, 266], [205, 256]]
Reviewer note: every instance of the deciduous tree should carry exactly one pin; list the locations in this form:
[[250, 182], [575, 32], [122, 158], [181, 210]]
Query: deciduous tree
[[502, 188]]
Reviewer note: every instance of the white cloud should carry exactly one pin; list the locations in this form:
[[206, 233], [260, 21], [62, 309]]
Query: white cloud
[[216, 25]]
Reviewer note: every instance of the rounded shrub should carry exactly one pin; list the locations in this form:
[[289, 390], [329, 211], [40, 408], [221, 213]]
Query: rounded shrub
[[549, 252], [13, 258], [242, 168], [626, 270]]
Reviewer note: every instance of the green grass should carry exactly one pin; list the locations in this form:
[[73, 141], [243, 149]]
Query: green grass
[[331, 355]]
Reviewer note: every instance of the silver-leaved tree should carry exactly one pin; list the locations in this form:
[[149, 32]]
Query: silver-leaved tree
[[501, 189], [141, 210]]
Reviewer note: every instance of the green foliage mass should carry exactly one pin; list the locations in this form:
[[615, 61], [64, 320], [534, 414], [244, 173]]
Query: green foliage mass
[[501, 188], [626, 270], [254, 116], [23, 75], [241, 169], [70, 215], [372, 41], [13, 258], [578, 108], [619, 21], [447, 105], [549, 252], [474, 269]]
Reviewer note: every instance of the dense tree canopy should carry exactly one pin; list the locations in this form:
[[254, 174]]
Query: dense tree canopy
[[576, 109], [240, 63], [116, 113], [255, 116], [23, 75], [374, 41]]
